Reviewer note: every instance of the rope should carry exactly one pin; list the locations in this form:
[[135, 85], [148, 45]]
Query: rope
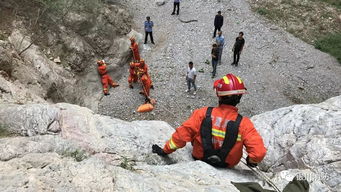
[[258, 172]]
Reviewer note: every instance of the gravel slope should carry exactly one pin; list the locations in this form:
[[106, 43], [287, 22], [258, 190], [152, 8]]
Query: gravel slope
[[278, 69]]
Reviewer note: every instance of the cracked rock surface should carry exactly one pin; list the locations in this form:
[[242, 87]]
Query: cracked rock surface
[[305, 137]]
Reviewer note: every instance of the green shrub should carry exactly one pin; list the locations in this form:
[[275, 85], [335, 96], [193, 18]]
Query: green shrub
[[330, 44]]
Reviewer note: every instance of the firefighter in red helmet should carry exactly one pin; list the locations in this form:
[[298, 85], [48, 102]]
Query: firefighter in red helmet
[[218, 134], [135, 49], [105, 78]]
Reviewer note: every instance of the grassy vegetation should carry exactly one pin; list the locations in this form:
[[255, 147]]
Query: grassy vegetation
[[314, 21], [335, 3], [78, 155], [127, 164], [4, 131], [330, 44], [263, 11], [2, 36]]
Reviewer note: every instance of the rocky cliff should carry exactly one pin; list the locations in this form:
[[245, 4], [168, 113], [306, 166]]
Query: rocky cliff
[[48, 50], [65, 147]]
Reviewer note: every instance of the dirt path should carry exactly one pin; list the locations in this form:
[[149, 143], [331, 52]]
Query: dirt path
[[278, 69]]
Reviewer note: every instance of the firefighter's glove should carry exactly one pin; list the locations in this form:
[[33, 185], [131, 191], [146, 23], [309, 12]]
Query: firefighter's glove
[[249, 163], [158, 150]]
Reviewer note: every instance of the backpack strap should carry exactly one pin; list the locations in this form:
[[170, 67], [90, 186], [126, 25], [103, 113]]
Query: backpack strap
[[231, 136], [212, 156], [206, 133]]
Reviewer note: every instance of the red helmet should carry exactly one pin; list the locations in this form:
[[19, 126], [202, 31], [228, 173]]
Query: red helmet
[[132, 39], [229, 85], [100, 62]]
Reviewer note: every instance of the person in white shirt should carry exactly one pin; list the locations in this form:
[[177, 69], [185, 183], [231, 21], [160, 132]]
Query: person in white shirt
[[190, 77]]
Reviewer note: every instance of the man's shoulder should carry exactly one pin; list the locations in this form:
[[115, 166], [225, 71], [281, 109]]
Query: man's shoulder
[[200, 111], [246, 121]]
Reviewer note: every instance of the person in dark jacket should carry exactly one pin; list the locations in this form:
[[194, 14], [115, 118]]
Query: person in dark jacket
[[218, 23], [215, 55], [176, 4], [148, 26], [238, 48]]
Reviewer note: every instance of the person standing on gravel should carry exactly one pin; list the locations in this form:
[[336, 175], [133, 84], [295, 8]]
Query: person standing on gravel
[[220, 40], [176, 5], [148, 26], [215, 54], [218, 134], [238, 48], [190, 77], [218, 23]]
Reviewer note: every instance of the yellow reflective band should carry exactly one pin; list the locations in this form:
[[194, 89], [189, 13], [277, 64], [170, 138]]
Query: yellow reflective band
[[221, 134], [218, 133], [239, 80], [172, 144], [239, 138], [226, 80]]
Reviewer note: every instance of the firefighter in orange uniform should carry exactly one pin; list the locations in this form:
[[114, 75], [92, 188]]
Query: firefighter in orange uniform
[[105, 78], [135, 49], [132, 78], [142, 73], [218, 134]]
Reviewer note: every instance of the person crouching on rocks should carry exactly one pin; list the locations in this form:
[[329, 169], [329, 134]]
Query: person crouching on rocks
[[218, 134], [105, 78]]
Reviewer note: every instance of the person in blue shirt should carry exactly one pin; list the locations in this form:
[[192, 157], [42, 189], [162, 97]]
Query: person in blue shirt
[[220, 40], [176, 4], [148, 27]]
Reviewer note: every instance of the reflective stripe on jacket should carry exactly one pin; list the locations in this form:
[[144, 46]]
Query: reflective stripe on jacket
[[189, 131]]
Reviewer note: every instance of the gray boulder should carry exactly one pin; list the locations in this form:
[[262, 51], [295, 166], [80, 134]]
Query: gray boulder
[[304, 137], [90, 152]]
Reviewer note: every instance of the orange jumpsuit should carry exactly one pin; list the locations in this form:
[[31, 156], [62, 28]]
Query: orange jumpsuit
[[105, 78], [132, 78], [135, 49], [189, 131], [142, 72]]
